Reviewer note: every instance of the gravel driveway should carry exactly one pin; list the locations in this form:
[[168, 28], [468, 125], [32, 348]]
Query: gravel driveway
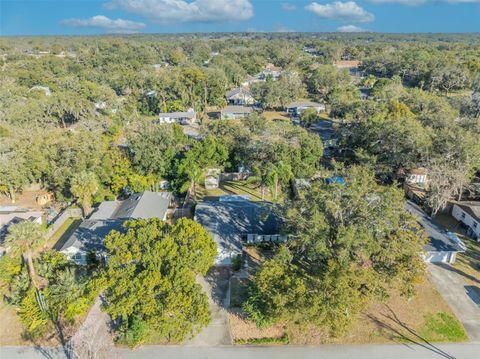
[[460, 296]]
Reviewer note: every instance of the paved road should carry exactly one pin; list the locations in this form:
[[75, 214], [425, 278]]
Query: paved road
[[446, 351], [452, 286]]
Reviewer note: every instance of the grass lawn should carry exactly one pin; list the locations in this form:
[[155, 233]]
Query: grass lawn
[[276, 115], [253, 191], [64, 232]]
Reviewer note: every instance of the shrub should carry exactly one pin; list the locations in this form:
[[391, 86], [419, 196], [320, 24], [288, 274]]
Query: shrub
[[35, 320]]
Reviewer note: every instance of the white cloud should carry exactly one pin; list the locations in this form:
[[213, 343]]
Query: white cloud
[[104, 23], [350, 28], [289, 7], [403, 2], [175, 11], [421, 2], [341, 11]]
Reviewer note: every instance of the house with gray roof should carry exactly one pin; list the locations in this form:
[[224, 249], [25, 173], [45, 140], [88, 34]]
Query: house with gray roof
[[296, 108], [236, 221], [442, 246], [235, 112], [111, 215], [240, 96], [188, 117]]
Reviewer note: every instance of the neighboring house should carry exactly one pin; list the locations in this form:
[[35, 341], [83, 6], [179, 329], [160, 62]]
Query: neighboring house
[[184, 118], [234, 221], [111, 215], [469, 214], [240, 96], [296, 108], [235, 112], [251, 80], [271, 70], [347, 64], [417, 176], [443, 246], [11, 215]]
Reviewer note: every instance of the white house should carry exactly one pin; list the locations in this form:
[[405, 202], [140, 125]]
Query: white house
[[271, 70], [240, 96], [296, 108], [442, 246], [184, 118], [235, 112], [469, 214], [111, 215]]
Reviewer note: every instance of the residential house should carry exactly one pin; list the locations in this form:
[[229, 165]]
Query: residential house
[[212, 178], [417, 176], [271, 70], [443, 246], [111, 215], [240, 96], [250, 80], [234, 221], [296, 108], [235, 112], [415, 184], [11, 215], [184, 118], [469, 214]]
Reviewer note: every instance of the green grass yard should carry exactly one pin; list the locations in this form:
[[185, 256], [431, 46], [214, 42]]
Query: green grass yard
[[253, 191]]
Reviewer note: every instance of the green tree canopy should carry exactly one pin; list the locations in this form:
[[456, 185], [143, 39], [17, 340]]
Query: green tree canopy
[[150, 278]]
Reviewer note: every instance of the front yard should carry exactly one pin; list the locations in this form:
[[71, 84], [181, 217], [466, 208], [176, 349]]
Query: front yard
[[424, 318]]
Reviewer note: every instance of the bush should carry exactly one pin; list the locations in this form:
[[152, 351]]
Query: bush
[[282, 340], [133, 332], [237, 262], [35, 320]]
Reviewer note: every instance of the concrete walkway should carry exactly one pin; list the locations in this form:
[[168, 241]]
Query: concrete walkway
[[217, 333], [459, 296]]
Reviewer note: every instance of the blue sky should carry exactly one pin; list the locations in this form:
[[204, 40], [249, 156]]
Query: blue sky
[[54, 17]]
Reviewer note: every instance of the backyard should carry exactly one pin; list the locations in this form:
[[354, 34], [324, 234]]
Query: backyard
[[252, 190]]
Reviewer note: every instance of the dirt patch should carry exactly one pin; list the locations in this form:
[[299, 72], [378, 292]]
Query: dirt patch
[[243, 329], [27, 199]]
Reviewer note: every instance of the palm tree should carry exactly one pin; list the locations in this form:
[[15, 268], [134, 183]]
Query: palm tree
[[83, 186], [195, 175], [24, 238]]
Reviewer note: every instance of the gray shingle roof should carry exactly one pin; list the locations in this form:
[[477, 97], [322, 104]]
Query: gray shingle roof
[[110, 215], [229, 221], [237, 109], [304, 104], [472, 208], [190, 114], [439, 239]]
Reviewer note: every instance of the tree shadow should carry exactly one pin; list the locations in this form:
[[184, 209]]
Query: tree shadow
[[458, 271], [409, 337]]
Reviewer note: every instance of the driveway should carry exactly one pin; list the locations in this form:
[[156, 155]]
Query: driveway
[[217, 333], [460, 296]]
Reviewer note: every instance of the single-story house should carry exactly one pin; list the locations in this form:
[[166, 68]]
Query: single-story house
[[443, 246], [250, 80], [296, 108], [11, 215], [234, 221], [347, 64], [111, 215], [184, 118], [271, 70], [235, 112], [469, 214], [240, 96]]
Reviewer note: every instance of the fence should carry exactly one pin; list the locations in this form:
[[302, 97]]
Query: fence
[[61, 219]]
